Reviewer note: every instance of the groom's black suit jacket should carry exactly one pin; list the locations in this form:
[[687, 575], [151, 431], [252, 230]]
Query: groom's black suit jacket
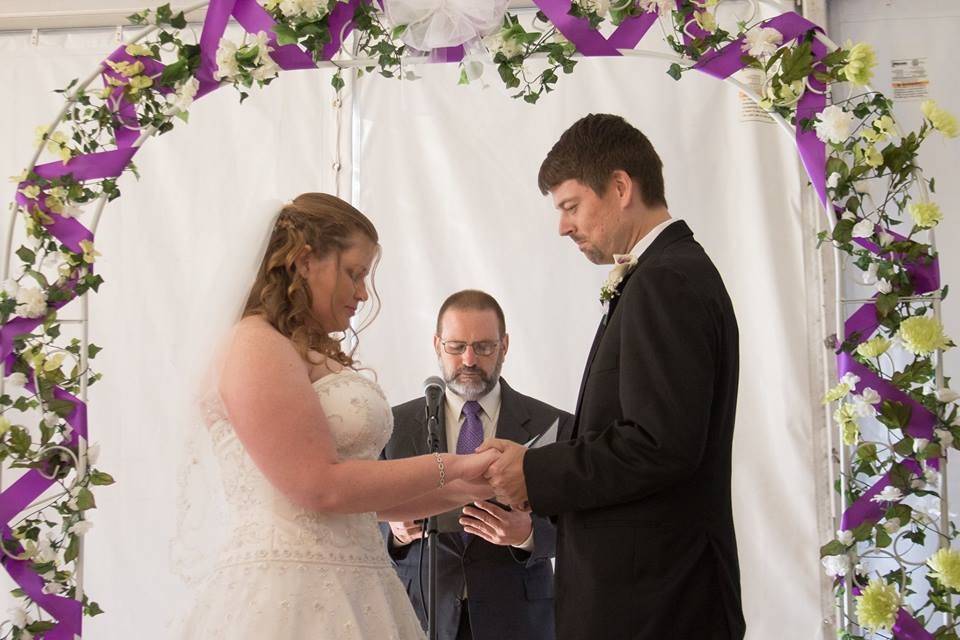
[[641, 490], [510, 591]]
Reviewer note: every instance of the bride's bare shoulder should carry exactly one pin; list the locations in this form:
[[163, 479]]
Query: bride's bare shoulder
[[254, 337]]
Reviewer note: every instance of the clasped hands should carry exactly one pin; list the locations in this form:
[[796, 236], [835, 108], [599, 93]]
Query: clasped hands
[[497, 468]]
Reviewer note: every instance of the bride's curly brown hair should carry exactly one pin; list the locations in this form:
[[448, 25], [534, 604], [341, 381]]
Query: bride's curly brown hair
[[328, 225]]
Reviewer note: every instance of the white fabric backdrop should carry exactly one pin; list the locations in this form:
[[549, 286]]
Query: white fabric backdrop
[[449, 176]]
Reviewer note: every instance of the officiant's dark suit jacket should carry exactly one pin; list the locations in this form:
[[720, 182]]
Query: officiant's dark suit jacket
[[641, 490], [509, 591]]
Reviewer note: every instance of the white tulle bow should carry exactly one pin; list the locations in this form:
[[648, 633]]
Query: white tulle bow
[[432, 24]]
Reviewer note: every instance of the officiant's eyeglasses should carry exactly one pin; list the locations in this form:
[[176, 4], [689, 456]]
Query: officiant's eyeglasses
[[456, 348]]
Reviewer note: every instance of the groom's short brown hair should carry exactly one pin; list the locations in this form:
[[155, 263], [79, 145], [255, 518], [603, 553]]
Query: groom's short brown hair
[[597, 145], [475, 300]]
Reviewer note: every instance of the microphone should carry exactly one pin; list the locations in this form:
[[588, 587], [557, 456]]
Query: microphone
[[433, 388]]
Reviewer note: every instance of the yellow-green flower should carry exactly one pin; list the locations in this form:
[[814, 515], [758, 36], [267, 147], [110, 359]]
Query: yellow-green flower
[[706, 21], [940, 119], [946, 567], [126, 69], [138, 50], [872, 157], [926, 215], [4, 425], [839, 391], [877, 606], [923, 335], [32, 191], [89, 253], [874, 347], [138, 83], [860, 63], [53, 362]]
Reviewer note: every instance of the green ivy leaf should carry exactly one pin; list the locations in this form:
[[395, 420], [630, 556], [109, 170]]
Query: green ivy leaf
[[833, 548], [26, 255], [73, 549], [99, 478], [285, 35], [85, 500]]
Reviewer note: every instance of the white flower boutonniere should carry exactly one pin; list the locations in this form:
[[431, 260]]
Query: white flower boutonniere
[[622, 265]]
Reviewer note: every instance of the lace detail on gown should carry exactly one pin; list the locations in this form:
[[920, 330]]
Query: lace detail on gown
[[288, 572]]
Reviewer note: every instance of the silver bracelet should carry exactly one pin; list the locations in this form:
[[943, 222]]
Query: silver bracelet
[[443, 474]]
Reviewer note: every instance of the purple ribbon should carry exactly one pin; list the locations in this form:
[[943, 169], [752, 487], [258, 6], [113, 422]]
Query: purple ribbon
[[588, 40]]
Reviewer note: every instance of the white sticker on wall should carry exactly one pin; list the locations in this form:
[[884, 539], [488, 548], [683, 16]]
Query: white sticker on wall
[[909, 79]]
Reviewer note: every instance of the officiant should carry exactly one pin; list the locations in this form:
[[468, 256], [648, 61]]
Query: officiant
[[495, 578]]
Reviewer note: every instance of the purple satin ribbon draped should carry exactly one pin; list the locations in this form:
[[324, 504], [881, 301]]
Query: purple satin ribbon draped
[[589, 41]]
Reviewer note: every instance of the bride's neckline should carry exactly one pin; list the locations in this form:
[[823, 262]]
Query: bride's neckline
[[334, 374]]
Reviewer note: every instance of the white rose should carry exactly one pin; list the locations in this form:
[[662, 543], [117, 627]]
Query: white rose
[[18, 616], [227, 66], [833, 180], [833, 124], [267, 70], [850, 379], [762, 41], [845, 537], [885, 238], [863, 229], [889, 494], [31, 302], [313, 8], [920, 444], [947, 395], [53, 588], [836, 565], [17, 380], [290, 8], [80, 527], [932, 477], [884, 286], [945, 437], [892, 525], [870, 396]]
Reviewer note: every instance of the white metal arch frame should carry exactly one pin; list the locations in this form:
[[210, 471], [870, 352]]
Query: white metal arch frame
[[839, 502]]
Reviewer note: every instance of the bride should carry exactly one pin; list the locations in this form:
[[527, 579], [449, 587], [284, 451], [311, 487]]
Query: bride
[[296, 432]]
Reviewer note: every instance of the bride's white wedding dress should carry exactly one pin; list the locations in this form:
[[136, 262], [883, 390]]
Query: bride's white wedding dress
[[288, 573]]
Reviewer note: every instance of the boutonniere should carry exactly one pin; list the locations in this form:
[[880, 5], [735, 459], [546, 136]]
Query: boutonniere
[[622, 265]]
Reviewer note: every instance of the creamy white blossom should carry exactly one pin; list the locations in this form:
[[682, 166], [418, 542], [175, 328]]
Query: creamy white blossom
[[863, 229], [599, 7], [845, 536], [890, 493], [871, 396], [850, 379], [919, 444], [884, 286], [51, 419], [833, 180], [227, 66], [834, 124], [885, 238], [662, 7], [18, 617], [53, 588], [31, 302], [17, 380], [762, 41], [947, 395], [945, 437], [892, 525], [93, 453], [80, 527], [10, 287], [870, 275], [184, 95], [836, 566]]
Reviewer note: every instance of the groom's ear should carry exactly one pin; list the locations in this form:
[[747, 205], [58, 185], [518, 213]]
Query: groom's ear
[[624, 187]]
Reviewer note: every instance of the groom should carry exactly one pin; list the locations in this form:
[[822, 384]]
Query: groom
[[641, 489]]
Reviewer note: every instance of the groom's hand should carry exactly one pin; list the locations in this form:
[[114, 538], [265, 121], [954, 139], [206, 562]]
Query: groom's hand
[[506, 473]]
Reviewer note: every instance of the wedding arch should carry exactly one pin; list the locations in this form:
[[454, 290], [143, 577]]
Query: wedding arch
[[862, 167]]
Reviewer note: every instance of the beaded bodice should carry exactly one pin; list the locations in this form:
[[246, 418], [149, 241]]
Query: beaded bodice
[[266, 526]]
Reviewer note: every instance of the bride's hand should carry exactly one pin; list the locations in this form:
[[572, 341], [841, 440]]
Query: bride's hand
[[470, 490], [472, 466]]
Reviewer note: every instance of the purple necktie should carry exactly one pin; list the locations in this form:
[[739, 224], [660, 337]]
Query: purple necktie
[[471, 436], [471, 431]]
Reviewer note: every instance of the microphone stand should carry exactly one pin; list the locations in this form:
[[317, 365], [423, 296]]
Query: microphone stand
[[433, 445]]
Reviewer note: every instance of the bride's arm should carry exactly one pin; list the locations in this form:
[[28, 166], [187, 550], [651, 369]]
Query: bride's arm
[[451, 496], [278, 418]]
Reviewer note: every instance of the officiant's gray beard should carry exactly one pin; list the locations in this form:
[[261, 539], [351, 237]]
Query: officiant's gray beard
[[472, 390]]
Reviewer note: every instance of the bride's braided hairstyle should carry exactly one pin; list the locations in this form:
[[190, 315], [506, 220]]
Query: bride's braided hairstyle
[[327, 224]]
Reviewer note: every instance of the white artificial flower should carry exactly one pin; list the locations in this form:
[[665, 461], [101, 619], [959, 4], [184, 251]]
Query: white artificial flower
[[290, 8], [599, 7], [833, 180], [10, 287], [227, 66], [53, 588], [17, 380], [889, 494], [18, 617], [836, 566], [184, 95], [870, 275], [262, 42], [315, 9], [496, 43], [662, 7], [74, 493], [845, 537], [919, 444], [927, 508], [847, 215], [861, 408], [850, 379], [80, 527], [66, 431], [885, 238], [31, 302], [863, 229], [71, 210], [265, 71], [884, 286], [892, 525], [833, 124], [947, 395], [945, 437], [762, 41], [51, 419], [870, 396], [932, 478]]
